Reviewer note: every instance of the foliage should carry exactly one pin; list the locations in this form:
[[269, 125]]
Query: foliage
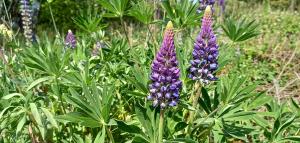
[[182, 13], [51, 93], [238, 31]]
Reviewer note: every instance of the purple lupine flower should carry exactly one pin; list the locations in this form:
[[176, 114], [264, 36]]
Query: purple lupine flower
[[27, 20], [70, 40], [97, 47], [205, 3], [222, 5], [165, 83], [205, 53]]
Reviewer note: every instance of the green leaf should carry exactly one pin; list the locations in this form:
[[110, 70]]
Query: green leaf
[[137, 94], [180, 126], [241, 30], [144, 119], [36, 114], [6, 97], [243, 115], [186, 106], [50, 117], [261, 121], [100, 138], [76, 117], [203, 105], [128, 127], [142, 11], [21, 124], [180, 140], [37, 118], [38, 81], [285, 125], [206, 98], [4, 110], [259, 100], [140, 139], [291, 138]]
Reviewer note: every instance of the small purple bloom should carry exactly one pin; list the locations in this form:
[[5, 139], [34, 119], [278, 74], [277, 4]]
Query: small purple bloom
[[205, 62], [205, 3], [70, 40], [97, 47], [222, 5], [165, 83]]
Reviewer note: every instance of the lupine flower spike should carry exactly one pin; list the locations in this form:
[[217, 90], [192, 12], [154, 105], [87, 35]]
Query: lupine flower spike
[[27, 20], [205, 52], [205, 3], [97, 48], [165, 83], [222, 5], [70, 40]]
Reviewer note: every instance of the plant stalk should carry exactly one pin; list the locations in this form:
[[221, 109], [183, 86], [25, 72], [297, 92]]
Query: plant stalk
[[161, 126], [125, 31], [109, 134], [52, 17], [194, 99]]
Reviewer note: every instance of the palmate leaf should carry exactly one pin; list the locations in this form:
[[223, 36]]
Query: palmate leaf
[[259, 100], [232, 90], [130, 128], [147, 119], [239, 132], [77, 117], [184, 13], [139, 80], [117, 8], [37, 117], [89, 23], [47, 59], [142, 11], [238, 31], [93, 106]]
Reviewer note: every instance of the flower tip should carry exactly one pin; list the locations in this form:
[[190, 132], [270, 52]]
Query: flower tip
[[69, 31], [207, 10], [169, 25]]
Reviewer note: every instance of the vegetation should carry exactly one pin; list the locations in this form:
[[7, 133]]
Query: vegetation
[[87, 72]]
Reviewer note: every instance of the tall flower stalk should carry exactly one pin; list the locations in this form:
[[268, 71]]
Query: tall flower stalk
[[205, 56], [26, 13], [165, 83]]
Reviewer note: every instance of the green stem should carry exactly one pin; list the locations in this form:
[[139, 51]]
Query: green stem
[[151, 35], [54, 24], [194, 99], [161, 126], [155, 44], [63, 109], [109, 135], [125, 31]]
